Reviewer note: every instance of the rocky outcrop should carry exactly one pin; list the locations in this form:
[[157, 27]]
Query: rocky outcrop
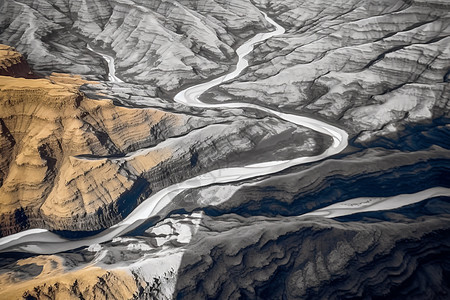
[[189, 40], [12, 63], [46, 124], [48, 279], [371, 173], [230, 256], [233, 257], [374, 66], [89, 163]]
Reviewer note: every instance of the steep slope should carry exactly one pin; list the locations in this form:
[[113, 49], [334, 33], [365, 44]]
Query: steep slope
[[47, 123], [12, 63], [49, 278], [88, 163], [197, 256], [374, 66], [378, 68], [192, 40], [294, 258], [370, 173]]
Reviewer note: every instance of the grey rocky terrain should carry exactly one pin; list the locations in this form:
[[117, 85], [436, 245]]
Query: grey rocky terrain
[[373, 66], [165, 43], [93, 151]]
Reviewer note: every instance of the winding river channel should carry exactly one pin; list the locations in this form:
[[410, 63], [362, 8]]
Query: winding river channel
[[45, 242]]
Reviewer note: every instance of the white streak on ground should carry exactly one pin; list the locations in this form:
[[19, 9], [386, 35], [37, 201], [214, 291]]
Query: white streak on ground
[[44, 242], [111, 66]]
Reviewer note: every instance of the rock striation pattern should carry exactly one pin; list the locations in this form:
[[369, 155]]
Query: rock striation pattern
[[373, 66], [294, 258], [197, 256], [89, 162], [171, 42], [46, 124], [50, 280], [12, 63], [378, 68], [369, 173]]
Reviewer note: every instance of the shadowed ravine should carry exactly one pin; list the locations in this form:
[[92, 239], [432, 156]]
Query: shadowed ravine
[[45, 242]]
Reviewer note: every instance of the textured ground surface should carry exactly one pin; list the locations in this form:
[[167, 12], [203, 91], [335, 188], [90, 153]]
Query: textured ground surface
[[91, 151]]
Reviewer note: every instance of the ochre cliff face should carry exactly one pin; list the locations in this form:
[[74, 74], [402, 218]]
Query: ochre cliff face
[[12, 63], [50, 278], [45, 125], [379, 69], [76, 164]]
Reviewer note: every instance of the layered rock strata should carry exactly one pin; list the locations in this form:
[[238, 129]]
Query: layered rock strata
[[46, 124], [47, 277], [370, 173], [373, 66], [376, 67], [190, 40], [193, 256], [12, 63], [233, 257], [88, 163]]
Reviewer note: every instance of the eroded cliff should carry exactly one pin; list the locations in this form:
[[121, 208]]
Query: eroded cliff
[[46, 124], [172, 42], [12, 63], [378, 69], [70, 163], [373, 66]]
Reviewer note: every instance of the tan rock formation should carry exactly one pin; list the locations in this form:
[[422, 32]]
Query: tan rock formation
[[50, 277], [77, 164], [46, 124], [71, 163], [12, 63]]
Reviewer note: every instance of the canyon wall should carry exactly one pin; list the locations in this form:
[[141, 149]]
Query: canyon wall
[[88, 163], [92, 151], [165, 43], [374, 67]]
